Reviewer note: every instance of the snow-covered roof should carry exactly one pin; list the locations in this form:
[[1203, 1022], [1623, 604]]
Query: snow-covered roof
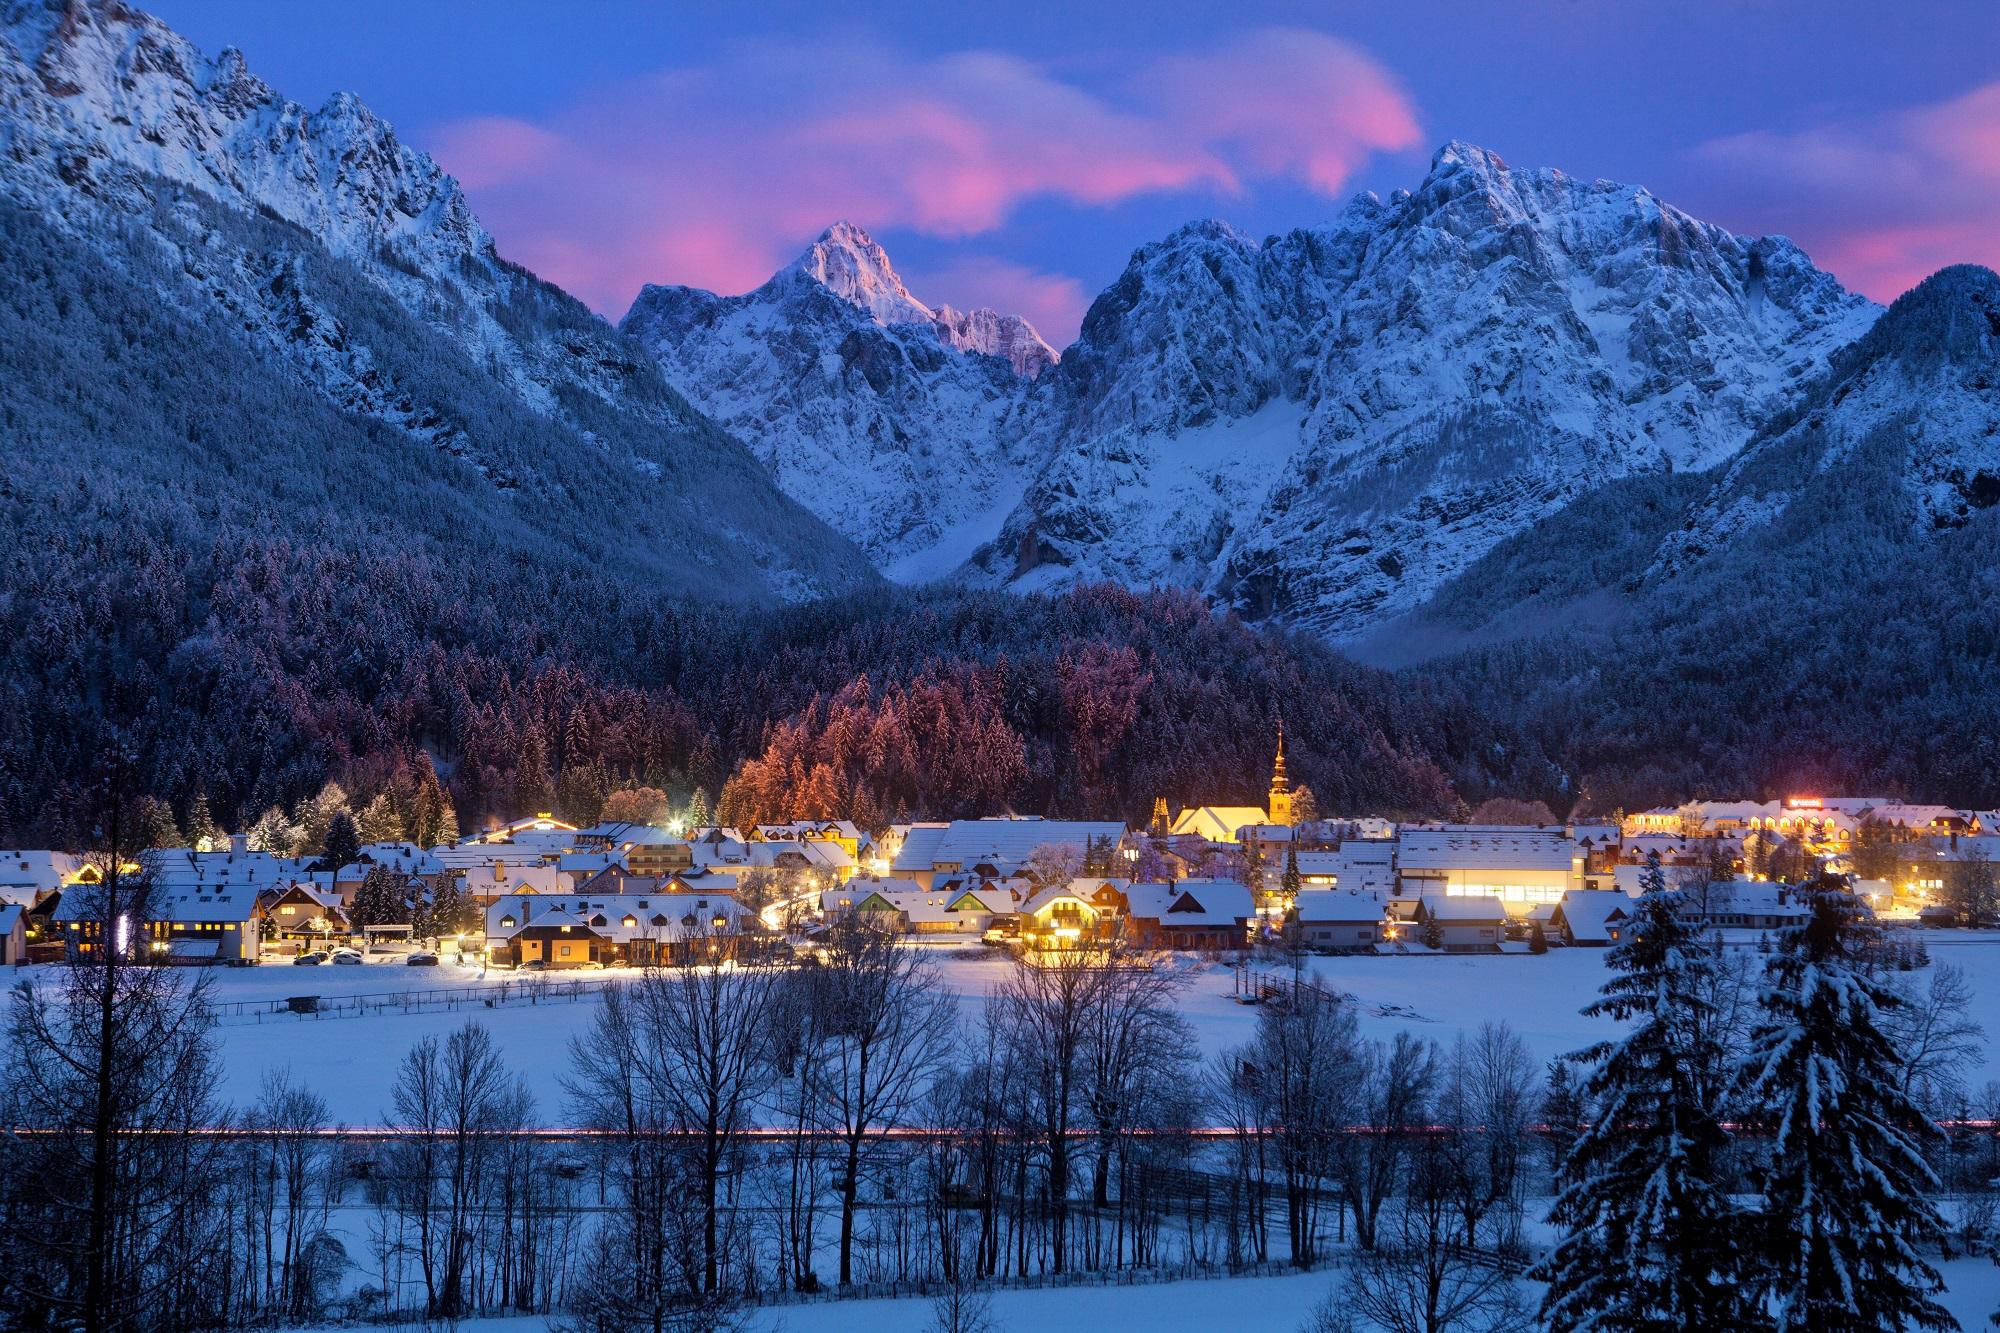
[[503, 877], [667, 917], [1217, 823], [1005, 844], [28, 875], [1484, 847], [1316, 906], [1191, 902], [179, 901], [405, 858], [1591, 913], [177, 868], [936, 905], [11, 917]]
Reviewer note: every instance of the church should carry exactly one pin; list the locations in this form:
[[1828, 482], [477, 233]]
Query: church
[[1223, 823]]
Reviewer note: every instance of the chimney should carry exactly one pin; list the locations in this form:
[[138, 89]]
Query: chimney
[[239, 844]]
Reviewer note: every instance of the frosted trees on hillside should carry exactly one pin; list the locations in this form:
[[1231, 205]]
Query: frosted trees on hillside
[[1846, 1191], [1649, 1232]]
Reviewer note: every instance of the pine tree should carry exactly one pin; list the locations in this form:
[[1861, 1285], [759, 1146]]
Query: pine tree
[[203, 833], [379, 820], [1289, 882], [1846, 1195], [1650, 1237], [343, 841], [1538, 938]]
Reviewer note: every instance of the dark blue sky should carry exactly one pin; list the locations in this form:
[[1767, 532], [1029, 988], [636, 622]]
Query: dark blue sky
[[1015, 154]]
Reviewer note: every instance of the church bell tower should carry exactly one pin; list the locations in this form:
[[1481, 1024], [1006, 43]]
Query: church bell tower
[[1281, 787]]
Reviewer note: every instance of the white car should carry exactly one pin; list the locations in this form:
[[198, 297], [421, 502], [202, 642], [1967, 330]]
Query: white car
[[347, 956]]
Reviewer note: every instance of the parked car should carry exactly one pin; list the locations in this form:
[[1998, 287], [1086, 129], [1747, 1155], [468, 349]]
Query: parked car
[[348, 957], [312, 959], [421, 960], [535, 965]]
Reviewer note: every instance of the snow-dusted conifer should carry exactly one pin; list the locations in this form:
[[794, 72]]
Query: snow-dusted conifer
[[1650, 1237], [1846, 1195]]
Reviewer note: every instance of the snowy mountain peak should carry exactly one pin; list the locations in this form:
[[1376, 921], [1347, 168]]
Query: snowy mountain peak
[[850, 265], [1457, 154], [847, 262]]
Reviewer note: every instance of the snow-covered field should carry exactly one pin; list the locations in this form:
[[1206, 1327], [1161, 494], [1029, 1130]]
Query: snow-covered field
[[352, 1060], [1219, 1305]]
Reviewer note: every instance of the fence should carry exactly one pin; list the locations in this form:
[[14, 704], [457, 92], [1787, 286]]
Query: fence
[[443, 999]]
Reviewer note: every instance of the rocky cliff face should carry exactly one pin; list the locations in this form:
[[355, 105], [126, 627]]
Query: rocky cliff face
[[1322, 427], [1908, 417], [897, 424], [291, 226], [1327, 426]]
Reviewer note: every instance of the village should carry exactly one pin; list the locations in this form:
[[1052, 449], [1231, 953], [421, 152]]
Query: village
[[539, 894]]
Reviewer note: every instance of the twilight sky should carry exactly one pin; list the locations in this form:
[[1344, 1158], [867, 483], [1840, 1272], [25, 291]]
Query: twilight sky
[[1014, 154]]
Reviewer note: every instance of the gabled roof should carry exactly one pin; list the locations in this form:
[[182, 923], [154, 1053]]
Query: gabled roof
[[1589, 914], [1191, 902], [1005, 844], [1217, 823]]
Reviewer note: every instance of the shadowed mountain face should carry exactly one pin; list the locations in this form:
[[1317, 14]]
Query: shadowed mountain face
[[349, 268]]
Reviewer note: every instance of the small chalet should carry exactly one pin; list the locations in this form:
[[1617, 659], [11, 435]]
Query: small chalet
[[1342, 920], [606, 930], [1592, 916], [302, 915], [1202, 914], [949, 908], [1463, 924]]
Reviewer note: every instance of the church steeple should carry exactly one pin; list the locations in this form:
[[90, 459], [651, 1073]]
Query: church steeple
[[1281, 787]]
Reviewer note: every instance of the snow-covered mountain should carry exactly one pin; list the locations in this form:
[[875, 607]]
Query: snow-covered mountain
[[290, 227], [1909, 417], [894, 422], [1322, 427], [1327, 426]]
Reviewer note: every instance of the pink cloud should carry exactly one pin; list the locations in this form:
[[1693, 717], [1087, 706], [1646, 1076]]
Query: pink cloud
[[716, 175], [1882, 202]]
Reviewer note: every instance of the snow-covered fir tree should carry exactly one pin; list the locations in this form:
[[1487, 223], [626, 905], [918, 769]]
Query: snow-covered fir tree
[[1846, 1194], [1650, 1238]]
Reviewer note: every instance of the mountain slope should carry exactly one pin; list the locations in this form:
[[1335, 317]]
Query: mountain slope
[[1327, 426], [352, 266], [894, 422]]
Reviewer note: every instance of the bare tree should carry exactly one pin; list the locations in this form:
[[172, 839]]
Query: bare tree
[[448, 1097], [1303, 1077], [1417, 1280], [1485, 1104], [884, 1030], [1394, 1093], [293, 1162], [1936, 1039]]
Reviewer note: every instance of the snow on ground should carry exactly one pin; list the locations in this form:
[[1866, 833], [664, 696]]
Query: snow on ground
[[1211, 1305], [352, 1061]]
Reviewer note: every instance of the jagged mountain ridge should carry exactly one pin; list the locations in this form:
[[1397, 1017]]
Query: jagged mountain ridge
[[111, 122], [1324, 427], [1427, 375], [892, 421]]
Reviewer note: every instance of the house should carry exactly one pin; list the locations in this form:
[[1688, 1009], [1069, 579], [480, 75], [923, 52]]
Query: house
[[644, 849], [302, 915], [491, 881], [13, 934], [1518, 865], [167, 921], [1593, 916], [996, 848], [582, 930], [949, 909], [1461, 923], [1364, 864], [1342, 920], [1067, 916], [27, 877], [1207, 914], [1746, 904]]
